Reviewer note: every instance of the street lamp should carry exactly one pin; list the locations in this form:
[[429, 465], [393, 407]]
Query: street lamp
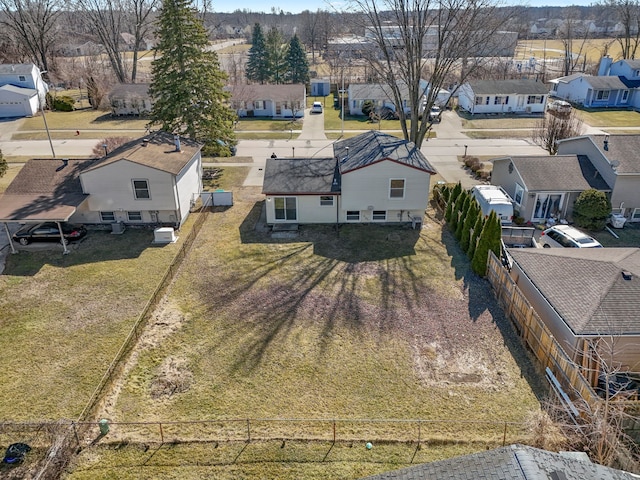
[[39, 77], [106, 152]]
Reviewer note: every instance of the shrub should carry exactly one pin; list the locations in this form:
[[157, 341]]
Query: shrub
[[489, 241], [64, 103], [591, 209]]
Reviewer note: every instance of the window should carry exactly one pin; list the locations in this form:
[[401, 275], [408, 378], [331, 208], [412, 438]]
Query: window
[[285, 208], [259, 104], [107, 216], [625, 95], [497, 100], [141, 190], [486, 102], [636, 214], [602, 95], [636, 73], [134, 216], [519, 194], [396, 188], [479, 100], [533, 99], [22, 78], [353, 216], [379, 215], [326, 201]]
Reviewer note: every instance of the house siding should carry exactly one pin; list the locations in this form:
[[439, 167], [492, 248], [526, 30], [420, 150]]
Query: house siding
[[187, 185], [369, 186], [309, 210]]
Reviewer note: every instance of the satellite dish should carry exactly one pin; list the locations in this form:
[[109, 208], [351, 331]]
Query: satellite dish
[[615, 164]]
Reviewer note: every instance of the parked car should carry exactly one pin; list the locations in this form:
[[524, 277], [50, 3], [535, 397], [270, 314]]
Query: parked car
[[316, 107], [48, 232], [617, 384], [559, 106], [435, 114], [568, 237]]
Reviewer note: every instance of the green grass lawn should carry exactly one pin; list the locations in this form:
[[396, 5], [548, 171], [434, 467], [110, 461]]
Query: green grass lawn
[[498, 121], [629, 236], [609, 117], [70, 134], [483, 134], [84, 120], [267, 125]]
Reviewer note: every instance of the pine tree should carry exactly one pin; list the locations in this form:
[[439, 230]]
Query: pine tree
[[448, 211], [258, 66], [3, 165], [298, 71], [489, 241], [469, 221], [473, 238], [463, 215], [276, 56], [187, 86]]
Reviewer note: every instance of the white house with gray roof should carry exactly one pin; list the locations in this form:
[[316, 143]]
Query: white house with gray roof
[[374, 177], [503, 96], [273, 101], [21, 86], [382, 96]]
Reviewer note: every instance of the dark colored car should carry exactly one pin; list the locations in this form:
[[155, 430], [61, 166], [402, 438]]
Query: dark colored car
[[48, 232], [617, 384]]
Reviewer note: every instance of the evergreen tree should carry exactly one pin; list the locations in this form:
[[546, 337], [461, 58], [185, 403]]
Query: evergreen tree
[[276, 56], [298, 71], [457, 190], [463, 215], [489, 241], [187, 86], [3, 165], [258, 66], [455, 214], [473, 238], [469, 221], [449, 211], [591, 209]]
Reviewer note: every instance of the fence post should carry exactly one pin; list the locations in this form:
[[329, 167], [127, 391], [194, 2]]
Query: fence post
[[419, 432], [248, 431], [334, 431], [504, 435], [161, 433]]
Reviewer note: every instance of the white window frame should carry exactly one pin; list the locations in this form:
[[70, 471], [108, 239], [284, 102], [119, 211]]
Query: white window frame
[[479, 100], [353, 215], [379, 215], [133, 215], [258, 104], [285, 210], [22, 78], [326, 200], [602, 95], [392, 189], [534, 99], [107, 216], [136, 190], [625, 96], [635, 215], [519, 191]]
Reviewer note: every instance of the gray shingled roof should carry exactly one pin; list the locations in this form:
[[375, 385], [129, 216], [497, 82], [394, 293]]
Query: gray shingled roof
[[635, 64], [300, 176], [17, 68], [605, 83], [586, 287], [624, 149], [130, 90], [562, 173], [568, 78], [515, 462], [279, 93], [156, 151], [376, 91], [44, 190], [374, 146], [507, 87]]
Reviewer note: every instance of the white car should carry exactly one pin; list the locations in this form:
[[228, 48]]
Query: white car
[[316, 107], [559, 106], [566, 236]]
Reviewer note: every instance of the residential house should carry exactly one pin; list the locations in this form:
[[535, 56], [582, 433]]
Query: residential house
[[373, 177], [503, 96], [21, 90], [617, 161], [513, 462], [587, 298], [83, 49], [544, 187], [382, 96], [130, 99], [273, 101], [153, 180]]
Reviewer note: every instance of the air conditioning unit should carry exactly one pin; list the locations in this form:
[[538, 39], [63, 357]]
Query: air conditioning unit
[[164, 235], [117, 228]]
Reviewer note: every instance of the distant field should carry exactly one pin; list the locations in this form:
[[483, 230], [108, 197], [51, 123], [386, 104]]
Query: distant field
[[592, 48]]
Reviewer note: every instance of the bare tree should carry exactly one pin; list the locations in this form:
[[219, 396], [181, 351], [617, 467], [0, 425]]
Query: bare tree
[[433, 38], [34, 25], [569, 33], [628, 14], [556, 126], [314, 30]]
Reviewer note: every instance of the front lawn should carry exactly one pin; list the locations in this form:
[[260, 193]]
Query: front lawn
[[83, 120], [609, 117]]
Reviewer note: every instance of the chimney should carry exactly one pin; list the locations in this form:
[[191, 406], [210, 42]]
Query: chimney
[[176, 140], [606, 142], [627, 275], [145, 142]]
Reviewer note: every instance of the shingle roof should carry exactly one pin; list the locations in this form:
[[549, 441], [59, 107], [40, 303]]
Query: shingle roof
[[300, 176], [376, 91], [17, 68], [563, 173], [625, 149], [515, 462], [632, 63], [605, 82], [44, 190], [126, 90], [25, 92], [156, 151], [374, 146], [586, 287], [568, 78], [279, 93], [506, 87]]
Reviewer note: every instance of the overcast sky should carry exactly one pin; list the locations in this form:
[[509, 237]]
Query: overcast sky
[[296, 6]]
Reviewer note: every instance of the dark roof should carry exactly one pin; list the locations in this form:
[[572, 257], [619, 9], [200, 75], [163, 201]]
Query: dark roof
[[515, 462], [285, 92], [605, 82], [130, 90], [157, 151], [373, 147], [562, 173], [44, 190], [586, 287], [301, 176], [623, 149], [506, 87], [17, 68], [629, 83]]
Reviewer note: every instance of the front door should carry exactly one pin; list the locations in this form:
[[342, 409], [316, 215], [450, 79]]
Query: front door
[[548, 205], [286, 209]]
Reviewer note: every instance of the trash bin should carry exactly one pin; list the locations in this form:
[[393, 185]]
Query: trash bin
[[104, 426], [617, 220]]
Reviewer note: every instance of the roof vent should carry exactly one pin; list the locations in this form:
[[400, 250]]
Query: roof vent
[[176, 140], [627, 275], [145, 142]]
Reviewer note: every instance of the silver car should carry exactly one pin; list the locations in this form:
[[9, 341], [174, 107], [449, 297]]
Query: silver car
[[568, 237]]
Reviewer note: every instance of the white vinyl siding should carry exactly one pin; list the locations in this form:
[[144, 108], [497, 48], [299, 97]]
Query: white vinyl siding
[[379, 216], [141, 189], [285, 208], [353, 216], [326, 201], [134, 216], [107, 216], [396, 188]]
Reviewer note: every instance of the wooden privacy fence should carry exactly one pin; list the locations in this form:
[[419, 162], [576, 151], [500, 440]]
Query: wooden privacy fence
[[536, 335]]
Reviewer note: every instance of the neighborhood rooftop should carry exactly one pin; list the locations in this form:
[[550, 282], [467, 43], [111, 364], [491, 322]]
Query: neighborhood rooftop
[[624, 149], [505, 87], [300, 175], [17, 68]]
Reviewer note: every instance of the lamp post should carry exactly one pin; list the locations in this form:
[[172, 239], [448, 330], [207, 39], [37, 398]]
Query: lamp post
[[42, 111], [106, 152]]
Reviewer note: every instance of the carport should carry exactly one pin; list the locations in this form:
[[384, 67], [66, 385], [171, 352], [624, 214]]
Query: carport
[[43, 191]]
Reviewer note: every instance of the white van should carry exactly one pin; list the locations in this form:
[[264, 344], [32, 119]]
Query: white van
[[492, 197]]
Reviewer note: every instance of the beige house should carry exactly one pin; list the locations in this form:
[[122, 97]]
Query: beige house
[[374, 177]]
